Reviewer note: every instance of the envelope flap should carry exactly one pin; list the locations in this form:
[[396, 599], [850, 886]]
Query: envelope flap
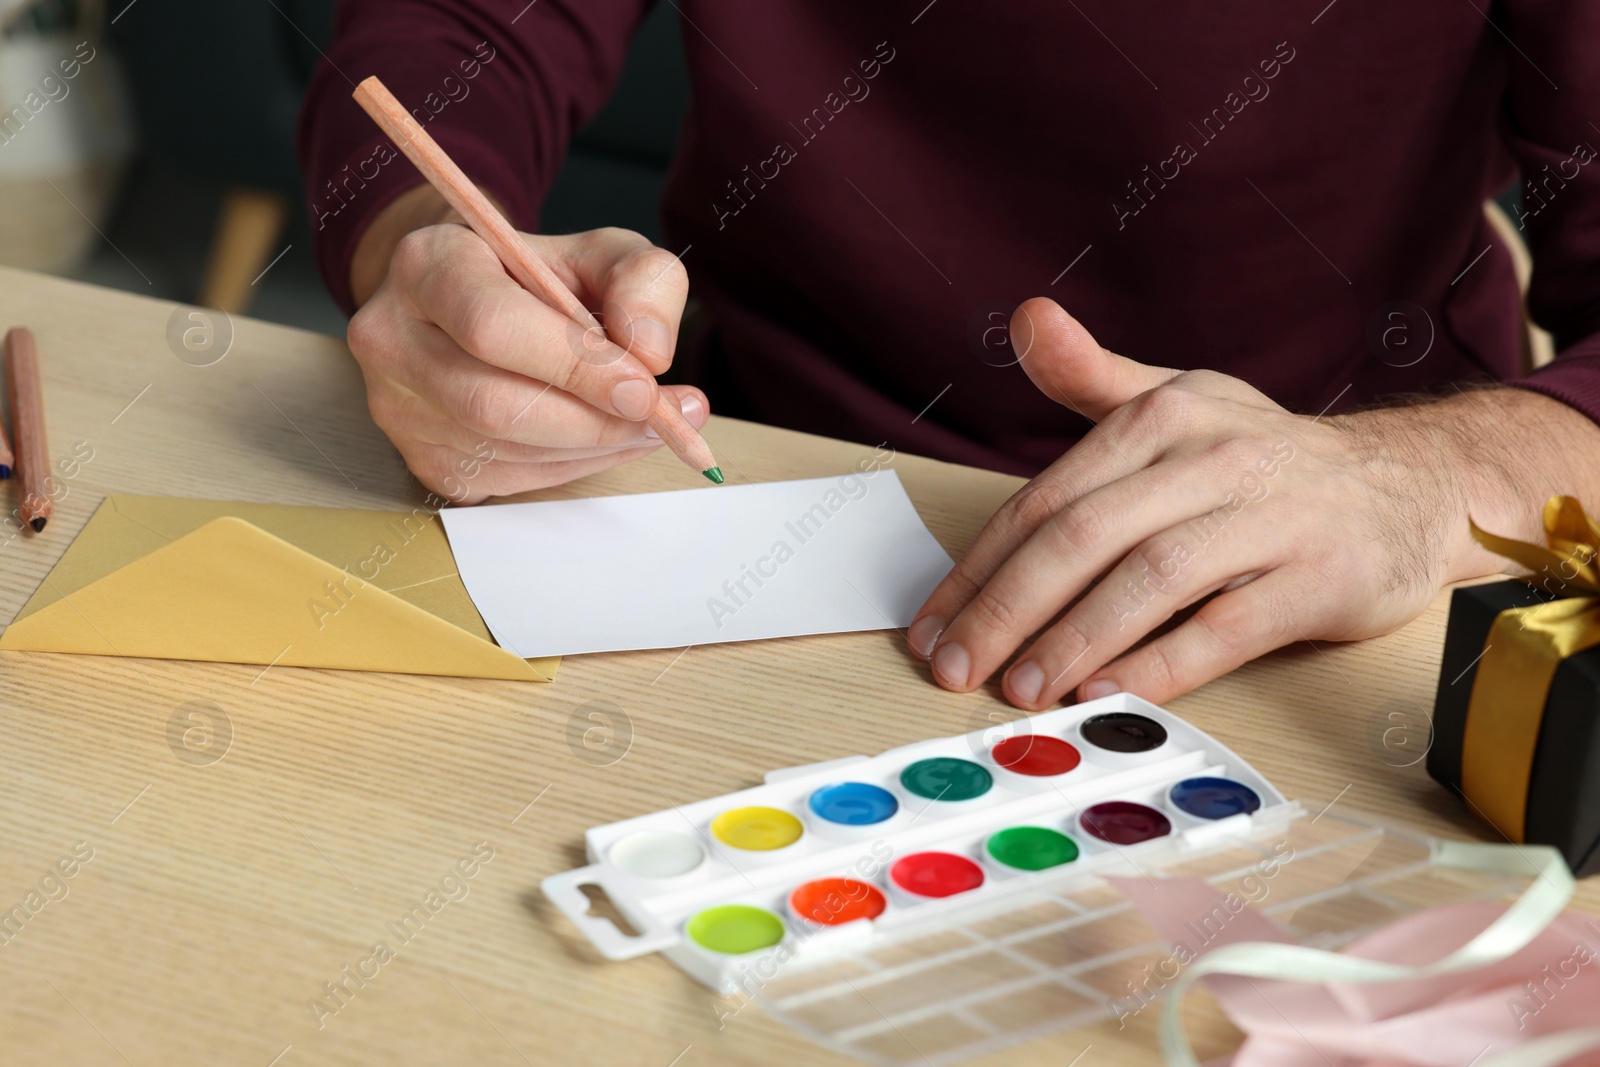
[[231, 592], [405, 553]]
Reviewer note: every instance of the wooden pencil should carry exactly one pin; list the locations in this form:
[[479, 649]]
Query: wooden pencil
[[531, 272], [7, 459], [27, 424]]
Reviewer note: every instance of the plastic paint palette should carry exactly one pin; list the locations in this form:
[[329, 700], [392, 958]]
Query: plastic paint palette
[[852, 847], [946, 898]]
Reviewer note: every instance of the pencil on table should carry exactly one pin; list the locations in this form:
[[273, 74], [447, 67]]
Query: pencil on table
[[27, 425], [528, 269], [7, 460]]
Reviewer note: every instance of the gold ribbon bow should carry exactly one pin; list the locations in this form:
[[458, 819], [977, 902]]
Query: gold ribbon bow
[[1520, 657]]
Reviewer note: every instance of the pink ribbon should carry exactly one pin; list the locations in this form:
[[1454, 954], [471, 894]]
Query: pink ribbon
[[1552, 985]]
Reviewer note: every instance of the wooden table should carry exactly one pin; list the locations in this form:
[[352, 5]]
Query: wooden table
[[223, 893]]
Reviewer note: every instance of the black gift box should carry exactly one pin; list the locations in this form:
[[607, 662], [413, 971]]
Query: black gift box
[[1563, 807]]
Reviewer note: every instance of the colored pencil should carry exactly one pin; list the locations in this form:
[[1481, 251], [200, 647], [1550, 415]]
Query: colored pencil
[[27, 424], [7, 459], [532, 273]]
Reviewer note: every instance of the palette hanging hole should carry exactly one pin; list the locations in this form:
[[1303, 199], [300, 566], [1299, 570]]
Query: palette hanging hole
[[601, 907]]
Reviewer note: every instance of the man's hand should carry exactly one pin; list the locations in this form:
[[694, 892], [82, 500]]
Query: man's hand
[[486, 390], [1193, 484]]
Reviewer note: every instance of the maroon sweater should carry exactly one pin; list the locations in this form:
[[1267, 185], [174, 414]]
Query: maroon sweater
[[1287, 192]]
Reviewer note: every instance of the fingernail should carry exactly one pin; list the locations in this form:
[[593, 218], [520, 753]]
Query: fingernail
[[1026, 680], [631, 398], [653, 337], [694, 409], [952, 663], [924, 634], [1100, 687]]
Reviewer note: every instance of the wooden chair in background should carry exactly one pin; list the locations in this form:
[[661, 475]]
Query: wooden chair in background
[[216, 91], [1538, 348]]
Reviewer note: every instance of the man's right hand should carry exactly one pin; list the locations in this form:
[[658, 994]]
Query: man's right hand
[[486, 390]]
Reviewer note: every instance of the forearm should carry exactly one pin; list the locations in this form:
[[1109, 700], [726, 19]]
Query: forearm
[[1495, 455]]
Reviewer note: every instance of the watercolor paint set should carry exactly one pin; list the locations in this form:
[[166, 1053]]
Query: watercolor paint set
[[957, 894]]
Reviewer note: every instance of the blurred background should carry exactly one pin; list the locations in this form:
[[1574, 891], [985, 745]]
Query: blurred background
[[165, 165]]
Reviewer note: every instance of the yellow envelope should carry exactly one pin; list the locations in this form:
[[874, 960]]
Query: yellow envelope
[[169, 578]]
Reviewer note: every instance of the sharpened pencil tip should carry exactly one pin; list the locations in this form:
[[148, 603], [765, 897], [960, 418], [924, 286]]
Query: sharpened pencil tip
[[38, 525], [715, 474], [5, 471]]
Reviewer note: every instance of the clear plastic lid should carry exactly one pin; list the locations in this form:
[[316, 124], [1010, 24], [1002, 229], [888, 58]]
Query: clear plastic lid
[[1072, 950]]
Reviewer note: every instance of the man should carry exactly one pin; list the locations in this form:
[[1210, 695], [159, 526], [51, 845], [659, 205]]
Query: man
[[1284, 203]]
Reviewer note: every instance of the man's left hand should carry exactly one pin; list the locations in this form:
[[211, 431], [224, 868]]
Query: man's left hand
[[1194, 485]]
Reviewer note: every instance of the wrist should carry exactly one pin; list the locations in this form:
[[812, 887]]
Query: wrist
[[1492, 454], [1535, 447], [416, 208], [1430, 461]]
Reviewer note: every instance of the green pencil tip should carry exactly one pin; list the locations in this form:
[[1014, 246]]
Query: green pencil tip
[[715, 474]]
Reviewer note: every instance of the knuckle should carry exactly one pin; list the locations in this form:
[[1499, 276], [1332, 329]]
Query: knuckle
[[474, 322], [367, 334], [1161, 557], [1237, 453], [384, 408], [1214, 383], [617, 235], [501, 479], [1235, 623], [662, 270], [483, 322], [1159, 670], [570, 363], [608, 241], [428, 465], [1164, 405], [602, 432], [1224, 628], [1084, 526], [994, 612], [486, 410], [1067, 643], [413, 255], [1036, 503], [962, 581], [1204, 377]]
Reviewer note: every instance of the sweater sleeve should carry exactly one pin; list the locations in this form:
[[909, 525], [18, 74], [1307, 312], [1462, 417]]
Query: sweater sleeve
[[502, 85], [1553, 90]]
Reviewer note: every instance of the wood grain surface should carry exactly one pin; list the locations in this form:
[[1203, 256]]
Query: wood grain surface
[[253, 832]]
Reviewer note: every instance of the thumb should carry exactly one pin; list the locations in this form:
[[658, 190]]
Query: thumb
[[1070, 368]]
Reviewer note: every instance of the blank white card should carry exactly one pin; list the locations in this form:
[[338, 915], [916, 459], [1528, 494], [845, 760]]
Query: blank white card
[[697, 566]]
